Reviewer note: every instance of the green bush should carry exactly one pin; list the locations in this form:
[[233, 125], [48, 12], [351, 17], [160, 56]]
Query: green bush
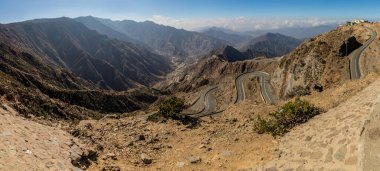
[[172, 107], [286, 117]]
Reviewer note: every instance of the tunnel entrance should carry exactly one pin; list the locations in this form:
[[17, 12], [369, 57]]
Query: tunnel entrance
[[349, 46]]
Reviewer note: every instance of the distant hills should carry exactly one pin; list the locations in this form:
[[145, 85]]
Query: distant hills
[[236, 38], [164, 40], [270, 45], [232, 38], [296, 32]]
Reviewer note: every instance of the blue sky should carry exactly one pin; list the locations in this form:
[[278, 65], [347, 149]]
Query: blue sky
[[193, 14]]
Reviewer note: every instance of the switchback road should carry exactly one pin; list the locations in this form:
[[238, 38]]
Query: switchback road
[[355, 56]]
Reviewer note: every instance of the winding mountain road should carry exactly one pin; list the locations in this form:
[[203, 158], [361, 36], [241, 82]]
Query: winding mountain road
[[208, 101], [355, 72], [263, 76]]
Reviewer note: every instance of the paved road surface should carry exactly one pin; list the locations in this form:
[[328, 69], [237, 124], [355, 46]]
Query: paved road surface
[[355, 58], [264, 85], [199, 106], [207, 101]]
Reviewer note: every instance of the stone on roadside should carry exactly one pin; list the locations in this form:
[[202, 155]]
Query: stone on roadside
[[194, 159], [180, 164], [146, 159], [111, 156], [202, 146], [111, 168], [75, 154], [140, 137]]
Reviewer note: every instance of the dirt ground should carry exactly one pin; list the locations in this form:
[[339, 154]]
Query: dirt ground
[[27, 145], [225, 142], [222, 142]]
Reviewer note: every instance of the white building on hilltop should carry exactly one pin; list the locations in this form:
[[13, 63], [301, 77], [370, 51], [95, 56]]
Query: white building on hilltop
[[354, 22]]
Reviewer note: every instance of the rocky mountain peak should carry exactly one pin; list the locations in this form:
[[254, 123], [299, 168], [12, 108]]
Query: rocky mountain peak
[[229, 54]]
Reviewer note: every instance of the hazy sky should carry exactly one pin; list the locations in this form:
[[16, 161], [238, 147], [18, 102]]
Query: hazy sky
[[193, 14]]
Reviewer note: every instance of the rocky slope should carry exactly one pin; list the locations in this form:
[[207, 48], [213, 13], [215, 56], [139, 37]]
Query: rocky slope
[[219, 65], [35, 88], [229, 54], [95, 24], [68, 44], [165, 40]]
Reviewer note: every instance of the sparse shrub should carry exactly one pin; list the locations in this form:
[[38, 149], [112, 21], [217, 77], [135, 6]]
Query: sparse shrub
[[286, 117], [298, 91], [171, 108]]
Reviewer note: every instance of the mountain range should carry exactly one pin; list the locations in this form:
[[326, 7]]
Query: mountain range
[[164, 40], [68, 44], [237, 38], [270, 45], [100, 65], [296, 32], [232, 38]]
